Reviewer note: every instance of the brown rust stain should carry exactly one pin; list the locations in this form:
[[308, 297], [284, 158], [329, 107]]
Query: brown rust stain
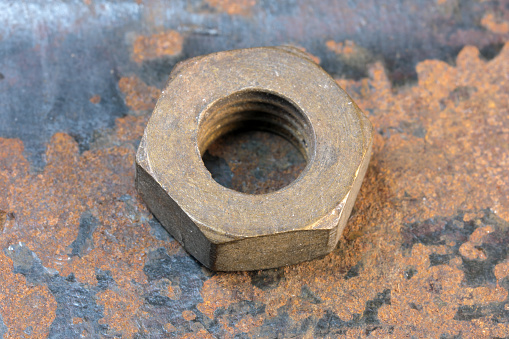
[[502, 270], [164, 44], [442, 146], [47, 209], [496, 25], [188, 315], [471, 249], [349, 50], [233, 7], [3, 219], [138, 95], [121, 309], [199, 334], [95, 99], [23, 306], [440, 142], [352, 55]]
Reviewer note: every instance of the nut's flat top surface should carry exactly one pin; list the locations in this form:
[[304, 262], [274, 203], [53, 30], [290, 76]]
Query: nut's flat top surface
[[341, 138]]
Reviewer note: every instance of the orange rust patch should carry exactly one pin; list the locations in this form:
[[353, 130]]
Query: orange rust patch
[[502, 270], [492, 23], [77, 320], [138, 96], [468, 250], [169, 328], [455, 128], [200, 334], [233, 7], [427, 302], [479, 233], [130, 128], [159, 45], [3, 219], [188, 315], [22, 305], [221, 292], [248, 323], [469, 216], [120, 311], [95, 99], [471, 249], [347, 48], [173, 292], [351, 55], [484, 295], [47, 208]]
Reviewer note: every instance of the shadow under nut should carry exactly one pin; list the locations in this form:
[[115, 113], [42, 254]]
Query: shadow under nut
[[270, 88]]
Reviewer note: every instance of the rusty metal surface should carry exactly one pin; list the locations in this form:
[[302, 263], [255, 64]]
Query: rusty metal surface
[[424, 253]]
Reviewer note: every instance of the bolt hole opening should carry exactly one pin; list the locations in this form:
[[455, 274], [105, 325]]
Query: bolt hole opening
[[255, 142]]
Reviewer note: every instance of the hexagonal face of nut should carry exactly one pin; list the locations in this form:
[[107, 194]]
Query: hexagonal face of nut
[[274, 89]]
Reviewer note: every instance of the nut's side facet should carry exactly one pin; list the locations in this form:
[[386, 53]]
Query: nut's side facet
[[274, 89]]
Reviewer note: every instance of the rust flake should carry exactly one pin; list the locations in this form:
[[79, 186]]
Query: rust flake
[[122, 309], [351, 54], [138, 95], [233, 7], [496, 25], [95, 99], [164, 44]]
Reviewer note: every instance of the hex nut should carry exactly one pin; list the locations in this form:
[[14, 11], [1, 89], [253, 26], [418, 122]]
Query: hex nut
[[278, 89]]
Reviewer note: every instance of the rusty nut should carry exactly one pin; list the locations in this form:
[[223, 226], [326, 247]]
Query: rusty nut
[[277, 89]]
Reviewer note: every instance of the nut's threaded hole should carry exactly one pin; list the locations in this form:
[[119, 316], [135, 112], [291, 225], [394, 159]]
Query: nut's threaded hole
[[255, 142]]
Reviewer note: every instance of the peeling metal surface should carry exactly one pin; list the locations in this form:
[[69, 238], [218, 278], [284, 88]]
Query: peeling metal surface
[[424, 253]]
